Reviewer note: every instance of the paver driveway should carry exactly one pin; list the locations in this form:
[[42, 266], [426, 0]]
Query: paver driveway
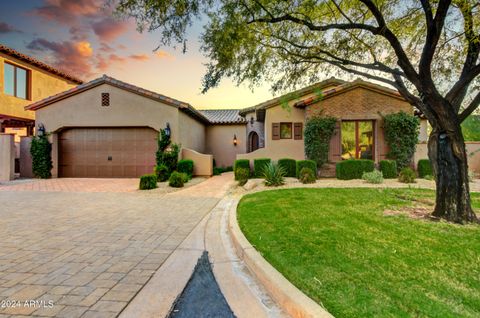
[[90, 253]]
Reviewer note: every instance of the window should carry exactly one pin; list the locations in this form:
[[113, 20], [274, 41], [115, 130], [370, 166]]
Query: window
[[16, 81], [105, 99], [285, 130], [357, 139]]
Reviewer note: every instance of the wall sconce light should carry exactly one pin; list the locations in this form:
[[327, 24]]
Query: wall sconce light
[[41, 130], [235, 140], [252, 120], [168, 131]]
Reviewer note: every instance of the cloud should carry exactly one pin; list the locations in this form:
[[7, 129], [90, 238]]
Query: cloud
[[105, 62], [66, 11], [71, 56], [139, 57], [108, 29], [6, 28], [164, 55]]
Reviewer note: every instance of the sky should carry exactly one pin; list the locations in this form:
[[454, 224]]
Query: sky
[[82, 38]]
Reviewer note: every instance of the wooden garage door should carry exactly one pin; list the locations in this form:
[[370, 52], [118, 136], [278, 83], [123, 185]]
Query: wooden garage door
[[107, 152]]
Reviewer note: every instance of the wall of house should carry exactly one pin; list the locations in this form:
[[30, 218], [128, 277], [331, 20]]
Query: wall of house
[[7, 157], [360, 104], [219, 143], [44, 84], [192, 133]]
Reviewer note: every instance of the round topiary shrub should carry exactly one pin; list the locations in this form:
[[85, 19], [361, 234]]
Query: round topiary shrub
[[407, 175], [242, 175], [306, 175], [389, 169], [424, 168], [375, 177], [185, 166], [289, 165], [176, 179], [162, 173], [148, 182]]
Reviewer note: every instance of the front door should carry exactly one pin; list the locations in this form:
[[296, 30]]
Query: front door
[[253, 141]]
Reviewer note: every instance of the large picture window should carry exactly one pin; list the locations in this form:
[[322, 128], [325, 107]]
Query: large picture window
[[358, 139], [15, 81]]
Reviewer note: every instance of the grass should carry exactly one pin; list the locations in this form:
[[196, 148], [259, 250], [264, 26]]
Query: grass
[[338, 247]]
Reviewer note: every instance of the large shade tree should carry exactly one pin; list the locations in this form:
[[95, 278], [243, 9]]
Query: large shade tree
[[428, 50]]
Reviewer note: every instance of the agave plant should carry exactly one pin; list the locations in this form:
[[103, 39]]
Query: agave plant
[[274, 174]]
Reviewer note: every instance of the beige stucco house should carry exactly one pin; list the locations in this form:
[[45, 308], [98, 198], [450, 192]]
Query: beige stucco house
[[108, 128]]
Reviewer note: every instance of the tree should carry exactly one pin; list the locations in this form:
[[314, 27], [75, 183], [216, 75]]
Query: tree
[[427, 50]]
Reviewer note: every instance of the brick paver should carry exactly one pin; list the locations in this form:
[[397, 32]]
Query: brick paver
[[71, 185], [90, 253]]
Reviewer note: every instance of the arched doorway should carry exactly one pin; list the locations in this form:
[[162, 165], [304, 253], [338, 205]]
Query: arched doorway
[[252, 141]]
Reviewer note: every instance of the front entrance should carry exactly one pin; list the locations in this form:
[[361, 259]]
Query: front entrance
[[253, 141], [106, 152], [358, 139]]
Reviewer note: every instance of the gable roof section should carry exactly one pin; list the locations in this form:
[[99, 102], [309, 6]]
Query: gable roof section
[[223, 116], [348, 86], [303, 91], [33, 61], [185, 107]]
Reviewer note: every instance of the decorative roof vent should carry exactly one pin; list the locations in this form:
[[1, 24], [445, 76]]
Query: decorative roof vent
[[105, 99]]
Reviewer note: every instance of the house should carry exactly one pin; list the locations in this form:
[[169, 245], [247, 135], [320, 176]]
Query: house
[[23, 80], [109, 128]]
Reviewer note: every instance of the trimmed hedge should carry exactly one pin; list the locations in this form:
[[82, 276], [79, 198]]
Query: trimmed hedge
[[148, 182], [353, 169], [241, 163], [259, 165], [310, 164], [388, 169], [185, 166], [177, 179], [289, 165], [424, 168]]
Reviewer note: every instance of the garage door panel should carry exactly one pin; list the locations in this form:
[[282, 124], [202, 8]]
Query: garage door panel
[[85, 152]]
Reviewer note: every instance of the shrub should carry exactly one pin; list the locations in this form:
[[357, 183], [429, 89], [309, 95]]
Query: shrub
[[289, 165], [185, 177], [177, 179], [424, 168], [307, 175], [219, 170], [167, 153], [429, 177], [242, 175], [148, 182], [312, 165], [241, 163], [258, 165], [41, 151], [317, 135], [274, 174], [401, 135], [389, 169], [407, 175], [353, 169], [374, 176], [162, 173], [185, 166]]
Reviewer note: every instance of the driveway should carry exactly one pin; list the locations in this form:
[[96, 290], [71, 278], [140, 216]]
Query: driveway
[[87, 254]]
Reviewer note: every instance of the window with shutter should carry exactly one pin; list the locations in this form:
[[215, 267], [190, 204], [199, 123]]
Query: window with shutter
[[275, 131], [298, 131]]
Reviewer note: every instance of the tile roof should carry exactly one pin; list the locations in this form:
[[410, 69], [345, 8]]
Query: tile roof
[[33, 61], [185, 107], [223, 116]]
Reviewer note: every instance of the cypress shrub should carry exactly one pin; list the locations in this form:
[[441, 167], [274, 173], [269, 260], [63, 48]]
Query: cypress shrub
[[424, 168], [148, 182], [312, 165], [185, 166], [41, 151], [241, 163], [353, 169], [388, 169], [259, 166], [289, 165]]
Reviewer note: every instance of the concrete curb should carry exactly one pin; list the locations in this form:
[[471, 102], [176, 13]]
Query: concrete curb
[[284, 293]]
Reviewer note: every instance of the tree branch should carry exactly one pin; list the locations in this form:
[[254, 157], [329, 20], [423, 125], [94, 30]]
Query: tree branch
[[470, 108]]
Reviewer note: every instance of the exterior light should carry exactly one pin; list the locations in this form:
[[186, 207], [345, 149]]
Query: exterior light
[[252, 120], [167, 130], [41, 130], [235, 140]]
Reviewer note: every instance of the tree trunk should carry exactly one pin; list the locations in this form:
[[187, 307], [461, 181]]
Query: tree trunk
[[447, 153]]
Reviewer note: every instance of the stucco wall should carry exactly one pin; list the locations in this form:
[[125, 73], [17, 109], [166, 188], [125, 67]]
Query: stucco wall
[[126, 109], [43, 83], [191, 133], [7, 157], [362, 104], [202, 163], [219, 143], [257, 126]]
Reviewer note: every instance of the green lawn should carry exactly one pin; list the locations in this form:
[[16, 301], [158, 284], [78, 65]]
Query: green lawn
[[338, 247]]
